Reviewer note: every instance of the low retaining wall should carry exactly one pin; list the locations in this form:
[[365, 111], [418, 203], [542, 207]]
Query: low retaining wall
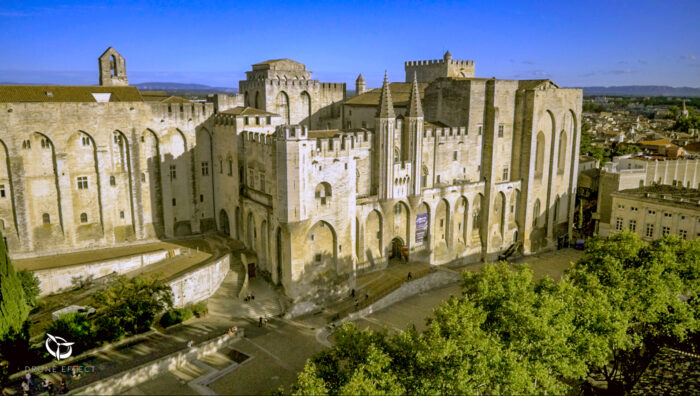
[[200, 283], [127, 379], [434, 280], [54, 280]]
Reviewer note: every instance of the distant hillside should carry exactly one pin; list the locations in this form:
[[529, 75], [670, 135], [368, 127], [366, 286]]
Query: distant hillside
[[642, 90], [175, 87]]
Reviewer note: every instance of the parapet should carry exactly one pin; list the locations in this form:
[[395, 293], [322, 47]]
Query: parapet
[[292, 132], [429, 70], [464, 63]]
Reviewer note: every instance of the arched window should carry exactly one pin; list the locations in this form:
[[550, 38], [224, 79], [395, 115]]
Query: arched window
[[306, 108], [283, 107], [323, 192], [539, 156], [424, 177], [83, 218], [112, 66], [561, 162], [536, 213], [112, 181], [397, 154], [45, 218]]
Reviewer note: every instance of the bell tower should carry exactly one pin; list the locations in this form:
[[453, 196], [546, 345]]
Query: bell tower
[[112, 69]]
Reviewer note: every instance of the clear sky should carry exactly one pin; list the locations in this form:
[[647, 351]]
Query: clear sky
[[575, 43]]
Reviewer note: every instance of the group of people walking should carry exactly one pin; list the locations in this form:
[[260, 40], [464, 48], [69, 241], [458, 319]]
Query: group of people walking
[[31, 386]]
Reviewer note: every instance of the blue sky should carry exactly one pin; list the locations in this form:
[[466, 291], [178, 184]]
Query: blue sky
[[576, 43]]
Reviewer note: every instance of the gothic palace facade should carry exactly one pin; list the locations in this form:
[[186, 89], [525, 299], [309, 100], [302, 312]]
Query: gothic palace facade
[[320, 185]]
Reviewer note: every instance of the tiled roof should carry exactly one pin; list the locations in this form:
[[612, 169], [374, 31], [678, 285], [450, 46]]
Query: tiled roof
[[66, 93], [247, 111], [532, 84], [323, 134], [175, 99], [400, 94], [659, 142]]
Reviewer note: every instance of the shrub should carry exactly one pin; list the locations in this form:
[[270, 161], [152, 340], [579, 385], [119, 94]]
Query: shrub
[[130, 306], [175, 316], [30, 284], [200, 308], [75, 327]]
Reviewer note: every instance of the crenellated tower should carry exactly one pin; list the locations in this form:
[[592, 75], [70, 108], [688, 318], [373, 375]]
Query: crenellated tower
[[413, 129], [384, 142], [290, 141]]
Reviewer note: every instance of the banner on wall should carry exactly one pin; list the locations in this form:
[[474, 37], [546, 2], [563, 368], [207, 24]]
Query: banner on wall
[[421, 227]]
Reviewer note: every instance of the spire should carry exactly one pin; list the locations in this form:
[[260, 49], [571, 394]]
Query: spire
[[447, 56], [360, 78], [386, 106], [414, 106]]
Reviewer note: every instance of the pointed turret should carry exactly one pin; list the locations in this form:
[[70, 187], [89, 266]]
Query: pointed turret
[[386, 106], [447, 56], [414, 106]]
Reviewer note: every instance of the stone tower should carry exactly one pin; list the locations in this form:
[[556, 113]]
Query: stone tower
[[360, 86], [112, 69], [385, 126], [413, 127]]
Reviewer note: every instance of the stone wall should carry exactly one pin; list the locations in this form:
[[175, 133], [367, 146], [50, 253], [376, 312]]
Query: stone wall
[[58, 279], [199, 282], [128, 379]]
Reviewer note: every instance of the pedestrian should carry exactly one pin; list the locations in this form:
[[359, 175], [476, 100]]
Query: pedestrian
[[62, 387], [252, 296], [25, 388], [50, 388], [357, 304], [45, 384], [352, 293], [409, 276], [260, 322]]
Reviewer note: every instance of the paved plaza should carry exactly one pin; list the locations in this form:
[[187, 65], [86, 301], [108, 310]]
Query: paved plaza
[[278, 351]]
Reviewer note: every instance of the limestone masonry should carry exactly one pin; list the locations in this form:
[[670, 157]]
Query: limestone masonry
[[444, 166]]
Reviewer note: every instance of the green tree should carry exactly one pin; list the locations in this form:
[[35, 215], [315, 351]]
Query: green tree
[[309, 382], [646, 296], [74, 327], [30, 285], [507, 334], [130, 306], [13, 304], [685, 124]]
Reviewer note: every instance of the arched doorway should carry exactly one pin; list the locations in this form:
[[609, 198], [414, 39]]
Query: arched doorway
[[397, 246], [223, 223]]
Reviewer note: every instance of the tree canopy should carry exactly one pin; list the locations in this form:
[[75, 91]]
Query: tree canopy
[[509, 334], [13, 304]]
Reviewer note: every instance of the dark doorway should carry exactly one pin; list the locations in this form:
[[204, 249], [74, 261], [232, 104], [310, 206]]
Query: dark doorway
[[223, 223], [251, 270], [396, 249]]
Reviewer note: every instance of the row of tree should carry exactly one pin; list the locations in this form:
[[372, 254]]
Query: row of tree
[[509, 334]]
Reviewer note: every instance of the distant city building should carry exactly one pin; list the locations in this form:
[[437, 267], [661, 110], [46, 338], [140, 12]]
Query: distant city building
[[655, 211]]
